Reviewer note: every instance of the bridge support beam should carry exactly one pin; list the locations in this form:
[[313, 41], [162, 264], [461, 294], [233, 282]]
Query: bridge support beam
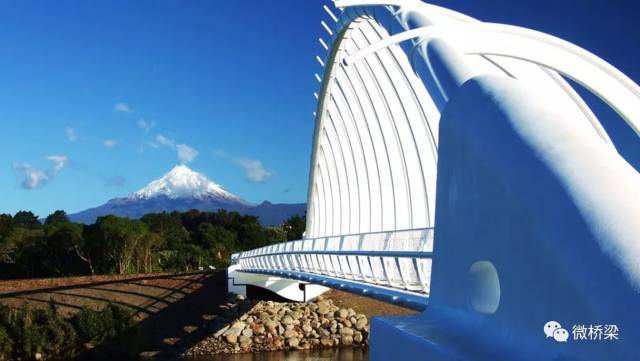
[[290, 289]]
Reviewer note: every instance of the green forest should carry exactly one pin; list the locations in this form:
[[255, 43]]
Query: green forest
[[159, 242]]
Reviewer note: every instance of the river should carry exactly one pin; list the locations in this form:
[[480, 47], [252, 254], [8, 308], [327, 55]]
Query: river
[[324, 354]]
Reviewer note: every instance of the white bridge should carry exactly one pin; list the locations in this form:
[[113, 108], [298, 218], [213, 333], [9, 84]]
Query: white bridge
[[457, 171], [391, 266]]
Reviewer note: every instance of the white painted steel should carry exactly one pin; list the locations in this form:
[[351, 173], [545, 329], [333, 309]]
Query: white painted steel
[[238, 281], [390, 71], [399, 261], [375, 149], [587, 69]]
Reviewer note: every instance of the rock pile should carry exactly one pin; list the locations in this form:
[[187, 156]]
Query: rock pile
[[270, 326]]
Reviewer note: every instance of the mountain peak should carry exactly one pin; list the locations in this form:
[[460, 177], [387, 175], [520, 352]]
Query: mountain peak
[[182, 189], [182, 182], [182, 172]]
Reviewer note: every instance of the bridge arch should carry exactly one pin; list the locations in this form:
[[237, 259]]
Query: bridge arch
[[375, 141], [375, 148], [417, 101]]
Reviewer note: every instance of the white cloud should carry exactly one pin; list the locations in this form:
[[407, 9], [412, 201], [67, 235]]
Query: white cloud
[[253, 168], [71, 134], [110, 143], [122, 108], [185, 153], [59, 161], [167, 142], [33, 177], [145, 125]]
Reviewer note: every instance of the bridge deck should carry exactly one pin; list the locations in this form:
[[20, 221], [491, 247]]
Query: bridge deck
[[391, 266]]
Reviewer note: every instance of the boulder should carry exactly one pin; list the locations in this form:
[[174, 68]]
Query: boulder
[[346, 340], [346, 331], [232, 338]]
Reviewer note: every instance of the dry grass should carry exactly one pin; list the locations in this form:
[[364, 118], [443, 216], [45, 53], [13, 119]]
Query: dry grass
[[143, 294], [367, 306]]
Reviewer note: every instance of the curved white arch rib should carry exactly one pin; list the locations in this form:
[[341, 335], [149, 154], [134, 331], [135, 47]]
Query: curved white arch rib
[[353, 3], [585, 68], [422, 7]]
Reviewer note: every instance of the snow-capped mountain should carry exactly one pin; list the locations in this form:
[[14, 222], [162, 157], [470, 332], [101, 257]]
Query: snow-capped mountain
[[182, 182], [183, 189]]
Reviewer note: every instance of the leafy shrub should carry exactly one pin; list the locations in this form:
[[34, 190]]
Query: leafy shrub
[[25, 332], [122, 318], [5, 315], [6, 344], [97, 326], [89, 325], [28, 335]]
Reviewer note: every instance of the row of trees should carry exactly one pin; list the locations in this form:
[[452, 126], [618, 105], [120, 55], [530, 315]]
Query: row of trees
[[177, 241]]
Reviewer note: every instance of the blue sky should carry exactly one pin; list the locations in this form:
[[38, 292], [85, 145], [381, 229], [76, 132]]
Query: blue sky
[[98, 98]]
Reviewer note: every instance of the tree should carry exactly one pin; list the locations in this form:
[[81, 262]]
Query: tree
[[169, 227], [30, 254], [209, 236], [63, 240], [6, 224], [55, 217], [7, 247], [26, 219], [122, 236], [294, 227], [147, 248]]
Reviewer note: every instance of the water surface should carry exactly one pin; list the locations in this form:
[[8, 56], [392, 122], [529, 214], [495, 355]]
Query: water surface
[[326, 354]]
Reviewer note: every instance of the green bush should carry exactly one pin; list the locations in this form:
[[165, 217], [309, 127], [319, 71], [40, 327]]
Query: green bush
[[28, 336], [89, 325], [5, 315], [97, 326], [25, 332], [122, 318], [6, 344]]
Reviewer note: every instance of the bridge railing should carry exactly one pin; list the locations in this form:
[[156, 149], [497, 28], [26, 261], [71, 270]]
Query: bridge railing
[[397, 260]]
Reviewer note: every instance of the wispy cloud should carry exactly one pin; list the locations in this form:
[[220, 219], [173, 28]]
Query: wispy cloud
[[110, 143], [116, 181], [71, 134], [254, 170], [32, 177], [111, 181], [145, 125], [167, 142], [59, 161], [122, 108], [185, 153]]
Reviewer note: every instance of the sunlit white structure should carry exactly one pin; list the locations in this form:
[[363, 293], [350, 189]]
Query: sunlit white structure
[[448, 142]]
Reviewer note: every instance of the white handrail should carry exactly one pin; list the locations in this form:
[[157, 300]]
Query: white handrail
[[397, 259]]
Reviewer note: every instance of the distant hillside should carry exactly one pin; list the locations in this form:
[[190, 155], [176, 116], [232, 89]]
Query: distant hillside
[[182, 189]]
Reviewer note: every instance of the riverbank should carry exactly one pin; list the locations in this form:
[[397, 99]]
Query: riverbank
[[274, 326], [176, 313]]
